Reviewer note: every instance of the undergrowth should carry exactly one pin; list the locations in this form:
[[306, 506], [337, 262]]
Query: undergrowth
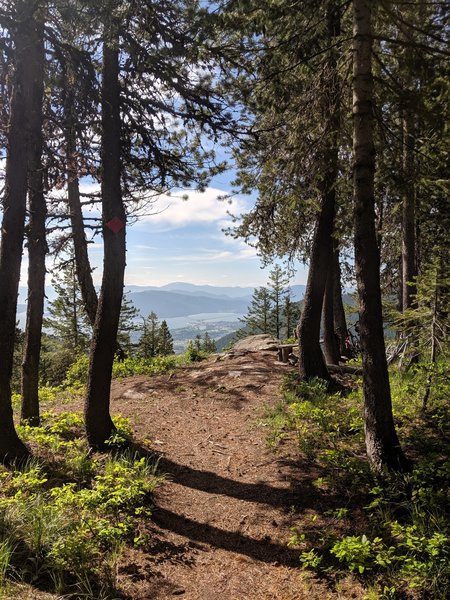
[[67, 515], [391, 531], [77, 373]]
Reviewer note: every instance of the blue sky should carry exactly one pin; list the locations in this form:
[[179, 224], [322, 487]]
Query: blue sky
[[184, 241]]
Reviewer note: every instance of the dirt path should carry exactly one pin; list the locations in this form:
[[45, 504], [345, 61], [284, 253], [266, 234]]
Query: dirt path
[[223, 517]]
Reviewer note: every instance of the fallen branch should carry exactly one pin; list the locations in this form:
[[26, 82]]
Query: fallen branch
[[345, 369]]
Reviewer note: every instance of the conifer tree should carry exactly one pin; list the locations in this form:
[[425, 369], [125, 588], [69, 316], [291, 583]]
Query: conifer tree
[[20, 16], [291, 315], [259, 315], [148, 342], [208, 344], [277, 285], [382, 444], [165, 340], [67, 320], [129, 316]]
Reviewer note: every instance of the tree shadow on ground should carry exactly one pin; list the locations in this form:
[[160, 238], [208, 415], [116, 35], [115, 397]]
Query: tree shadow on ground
[[301, 493], [298, 497], [263, 550]]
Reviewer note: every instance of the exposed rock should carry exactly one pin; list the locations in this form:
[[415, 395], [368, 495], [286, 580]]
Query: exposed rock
[[256, 343]]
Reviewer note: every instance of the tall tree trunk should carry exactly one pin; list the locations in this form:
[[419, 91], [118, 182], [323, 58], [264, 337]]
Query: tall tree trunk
[[433, 342], [330, 337], [406, 65], [311, 360], [37, 244], [83, 267], [400, 286], [99, 425], [13, 223], [340, 322], [409, 263], [382, 444]]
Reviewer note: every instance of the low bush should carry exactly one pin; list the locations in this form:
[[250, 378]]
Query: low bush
[[63, 526], [393, 531]]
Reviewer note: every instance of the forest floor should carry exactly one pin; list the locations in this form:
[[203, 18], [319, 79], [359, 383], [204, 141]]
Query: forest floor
[[223, 516]]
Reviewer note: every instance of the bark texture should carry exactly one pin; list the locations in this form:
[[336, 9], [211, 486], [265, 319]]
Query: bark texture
[[37, 245], [13, 223], [330, 337], [83, 267], [340, 322], [409, 263], [382, 444], [99, 425], [311, 360]]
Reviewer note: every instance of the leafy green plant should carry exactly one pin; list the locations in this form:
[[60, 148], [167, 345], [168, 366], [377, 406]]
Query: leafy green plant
[[144, 366], [77, 373], [400, 548], [193, 354], [72, 533], [355, 551]]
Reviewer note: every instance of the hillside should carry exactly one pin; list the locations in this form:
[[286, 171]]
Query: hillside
[[168, 304]]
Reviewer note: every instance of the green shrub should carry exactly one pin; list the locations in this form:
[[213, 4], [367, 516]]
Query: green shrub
[[402, 549], [144, 366], [71, 533], [77, 373], [193, 354]]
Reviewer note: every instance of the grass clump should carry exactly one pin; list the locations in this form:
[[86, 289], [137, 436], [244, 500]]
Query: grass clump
[[64, 522], [77, 373], [390, 531]]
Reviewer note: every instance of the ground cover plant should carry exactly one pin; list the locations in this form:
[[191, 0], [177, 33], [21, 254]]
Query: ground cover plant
[[391, 531], [67, 515]]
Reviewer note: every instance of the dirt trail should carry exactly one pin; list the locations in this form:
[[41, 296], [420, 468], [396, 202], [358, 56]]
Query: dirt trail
[[223, 517]]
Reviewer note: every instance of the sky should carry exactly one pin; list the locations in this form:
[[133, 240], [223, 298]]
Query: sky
[[183, 241]]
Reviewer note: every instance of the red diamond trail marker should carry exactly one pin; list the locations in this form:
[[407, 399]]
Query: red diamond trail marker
[[115, 225]]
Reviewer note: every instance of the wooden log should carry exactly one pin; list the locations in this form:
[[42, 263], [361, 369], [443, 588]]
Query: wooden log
[[350, 370]]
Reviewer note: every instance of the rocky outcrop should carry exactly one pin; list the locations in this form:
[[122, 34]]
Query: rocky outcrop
[[256, 343]]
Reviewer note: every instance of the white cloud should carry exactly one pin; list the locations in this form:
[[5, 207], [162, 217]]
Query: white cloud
[[201, 207], [203, 255]]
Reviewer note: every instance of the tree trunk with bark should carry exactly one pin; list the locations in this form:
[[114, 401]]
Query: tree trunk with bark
[[83, 267], [340, 322], [37, 244], [382, 444], [99, 425], [409, 263], [311, 360], [13, 223], [330, 337]]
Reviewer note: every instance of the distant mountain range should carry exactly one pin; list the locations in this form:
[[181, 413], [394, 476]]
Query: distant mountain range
[[181, 299], [168, 304], [197, 290]]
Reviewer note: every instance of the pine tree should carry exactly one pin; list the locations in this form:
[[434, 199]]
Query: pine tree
[[19, 134], [258, 318], [208, 345], [129, 315], [148, 342], [290, 314], [278, 281], [382, 444], [67, 318], [165, 340], [198, 343]]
